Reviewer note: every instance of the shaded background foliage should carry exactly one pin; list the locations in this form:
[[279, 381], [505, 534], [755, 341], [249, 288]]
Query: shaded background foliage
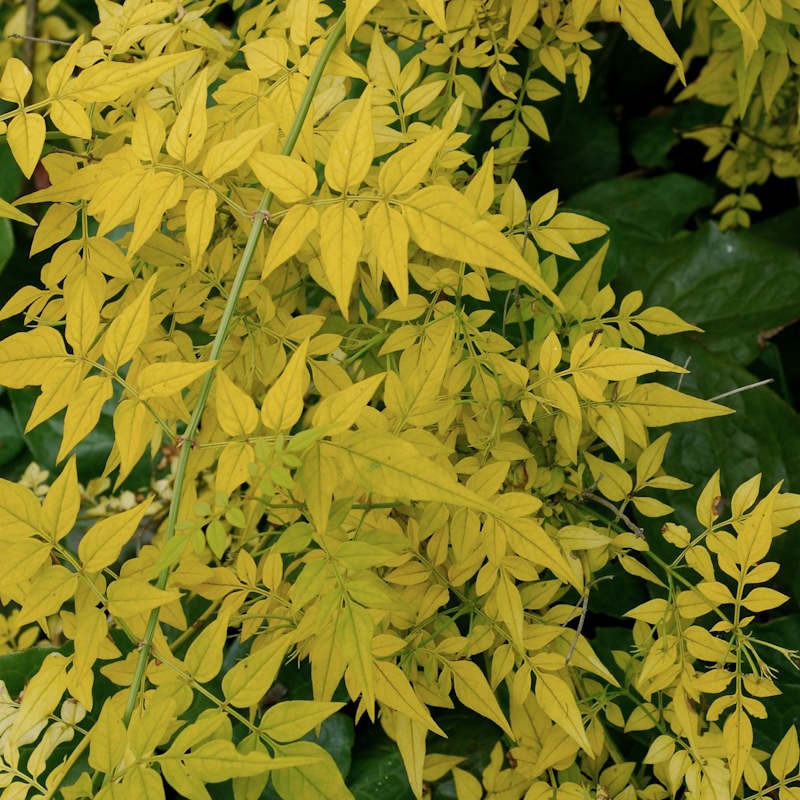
[[620, 157]]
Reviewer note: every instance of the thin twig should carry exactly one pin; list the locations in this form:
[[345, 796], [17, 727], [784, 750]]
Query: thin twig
[[38, 39], [740, 389], [581, 621], [620, 514]]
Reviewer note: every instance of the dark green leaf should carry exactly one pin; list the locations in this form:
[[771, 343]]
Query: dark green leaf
[[11, 441], [655, 208]]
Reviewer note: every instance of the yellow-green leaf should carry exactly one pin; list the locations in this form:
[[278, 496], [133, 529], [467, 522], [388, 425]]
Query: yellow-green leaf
[[203, 659], [737, 736], [340, 410], [201, 208], [230, 154], [786, 755], [621, 363], [107, 740], [84, 410]]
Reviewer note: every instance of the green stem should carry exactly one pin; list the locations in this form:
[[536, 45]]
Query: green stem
[[259, 218]]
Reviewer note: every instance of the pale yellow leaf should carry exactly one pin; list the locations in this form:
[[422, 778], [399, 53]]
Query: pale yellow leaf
[[71, 118]]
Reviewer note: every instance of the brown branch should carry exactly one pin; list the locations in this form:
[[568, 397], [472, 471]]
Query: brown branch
[[620, 515]]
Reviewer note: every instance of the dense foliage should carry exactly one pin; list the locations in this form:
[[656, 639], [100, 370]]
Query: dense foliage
[[339, 432]]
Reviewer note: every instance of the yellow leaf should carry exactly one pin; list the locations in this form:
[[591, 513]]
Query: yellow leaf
[[233, 467], [435, 10], [57, 224], [127, 330], [25, 137], [661, 321], [355, 14], [201, 209], [640, 21], [473, 690], [103, 542], [148, 134], [51, 587], [91, 629], [786, 755], [576, 228], [557, 700], [289, 179], [219, 760], [509, 607], [168, 378], [467, 786], [520, 14], [283, 403], [293, 719], [203, 659], [354, 635], [188, 132], [352, 148], [29, 357], [403, 170], [247, 681], [133, 427], [266, 56], [230, 154], [659, 405], [159, 191], [16, 81], [319, 777], [62, 503], [236, 412], [387, 234], [612, 480], [107, 80], [107, 740], [755, 534], [129, 597], [707, 507], [42, 695], [444, 223], [84, 410], [340, 240], [422, 96], [340, 410], [393, 689], [410, 738], [7, 211], [763, 599], [71, 118], [289, 236], [621, 363], [82, 303], [20, 512], [737, 736]]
